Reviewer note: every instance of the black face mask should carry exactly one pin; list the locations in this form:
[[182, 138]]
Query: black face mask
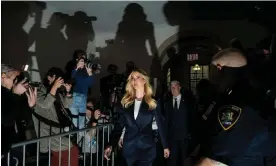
[[234, 72], [227, 77]]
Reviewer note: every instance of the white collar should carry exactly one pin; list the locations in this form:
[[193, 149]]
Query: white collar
[[177, 97]]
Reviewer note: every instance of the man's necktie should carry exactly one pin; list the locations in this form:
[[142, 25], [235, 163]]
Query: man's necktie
[[175, 104]]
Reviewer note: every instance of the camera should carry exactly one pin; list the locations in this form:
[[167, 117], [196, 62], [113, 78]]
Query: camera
[[21, 77], [34, 84], [62, 90], [88, 63], [92, 66]]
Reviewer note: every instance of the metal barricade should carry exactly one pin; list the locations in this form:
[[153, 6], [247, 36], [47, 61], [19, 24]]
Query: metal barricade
[[92, 156]]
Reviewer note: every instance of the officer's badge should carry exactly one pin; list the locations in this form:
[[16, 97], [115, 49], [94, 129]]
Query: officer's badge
[[228, 116]]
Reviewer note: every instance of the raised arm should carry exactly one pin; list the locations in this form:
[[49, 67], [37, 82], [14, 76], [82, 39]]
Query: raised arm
[[44, 100]]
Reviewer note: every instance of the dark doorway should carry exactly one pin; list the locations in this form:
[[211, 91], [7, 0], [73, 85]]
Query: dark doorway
[[191, 63]]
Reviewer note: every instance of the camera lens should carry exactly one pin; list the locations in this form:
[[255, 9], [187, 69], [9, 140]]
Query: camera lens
[[89, 65]]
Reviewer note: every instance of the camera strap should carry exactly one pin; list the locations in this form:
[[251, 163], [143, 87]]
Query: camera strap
[[53, 123], [47, 121]]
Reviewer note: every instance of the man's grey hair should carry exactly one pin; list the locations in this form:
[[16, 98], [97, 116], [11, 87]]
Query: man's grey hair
[[175, 82], [5, 68]]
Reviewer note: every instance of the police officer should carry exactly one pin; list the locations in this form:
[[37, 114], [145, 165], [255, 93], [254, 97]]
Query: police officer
[[238, 135]]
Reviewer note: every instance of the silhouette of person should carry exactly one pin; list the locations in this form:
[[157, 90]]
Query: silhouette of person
[[15, 43], [52, 46], [107, 85], [171, 63], [156, 76], [80, 31], [133, 32]]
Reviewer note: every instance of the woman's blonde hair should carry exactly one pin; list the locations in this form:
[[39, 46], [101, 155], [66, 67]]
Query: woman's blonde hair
[[129, 96]]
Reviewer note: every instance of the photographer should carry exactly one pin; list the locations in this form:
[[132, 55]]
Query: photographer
[[13, 105], [83, 77], [88, 144], [51, 104]]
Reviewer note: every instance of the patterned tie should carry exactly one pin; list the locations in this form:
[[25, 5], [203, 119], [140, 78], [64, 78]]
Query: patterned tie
[[175, 104]]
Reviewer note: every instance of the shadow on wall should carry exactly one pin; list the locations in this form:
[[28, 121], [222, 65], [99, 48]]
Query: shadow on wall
[[53, 45], [133, 32], [15, 41]]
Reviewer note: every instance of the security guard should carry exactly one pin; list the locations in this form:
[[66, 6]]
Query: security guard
[[238, 135]]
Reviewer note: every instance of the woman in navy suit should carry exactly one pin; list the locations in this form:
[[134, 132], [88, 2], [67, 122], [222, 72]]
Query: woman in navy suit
[[136, 115]]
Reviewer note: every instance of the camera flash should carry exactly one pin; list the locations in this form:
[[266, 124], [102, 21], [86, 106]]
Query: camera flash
[[26, 67]]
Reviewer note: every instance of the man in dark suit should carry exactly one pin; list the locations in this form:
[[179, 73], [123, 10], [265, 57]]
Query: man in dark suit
[[179, 111]]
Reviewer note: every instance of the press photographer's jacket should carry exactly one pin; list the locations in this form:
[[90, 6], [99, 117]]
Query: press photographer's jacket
[[45, 108]]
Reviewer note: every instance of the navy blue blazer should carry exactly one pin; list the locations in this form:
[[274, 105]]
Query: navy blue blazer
[[139, 138]]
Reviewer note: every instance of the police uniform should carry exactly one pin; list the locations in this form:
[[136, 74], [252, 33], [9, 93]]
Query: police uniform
[[238, 135]]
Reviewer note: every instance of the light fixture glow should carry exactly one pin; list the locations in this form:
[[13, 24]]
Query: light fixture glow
[[196, 68]]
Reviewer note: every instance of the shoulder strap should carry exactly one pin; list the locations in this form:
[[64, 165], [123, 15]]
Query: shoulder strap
[[47, 121], [209, 110]]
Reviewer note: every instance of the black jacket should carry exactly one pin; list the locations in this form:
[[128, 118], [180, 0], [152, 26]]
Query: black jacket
[[139, 139], [189, 104], [13, 107]]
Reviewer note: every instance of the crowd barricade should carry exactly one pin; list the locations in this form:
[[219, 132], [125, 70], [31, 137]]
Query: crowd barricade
[[27, 154]]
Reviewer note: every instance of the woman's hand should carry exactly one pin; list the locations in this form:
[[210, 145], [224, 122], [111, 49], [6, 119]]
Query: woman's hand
[[89, 70], [120, 143], [166, 153], [58, 83], [20, 88], [80, 63], [32, 97], [68, 87], [97, 114], [107, 153]]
